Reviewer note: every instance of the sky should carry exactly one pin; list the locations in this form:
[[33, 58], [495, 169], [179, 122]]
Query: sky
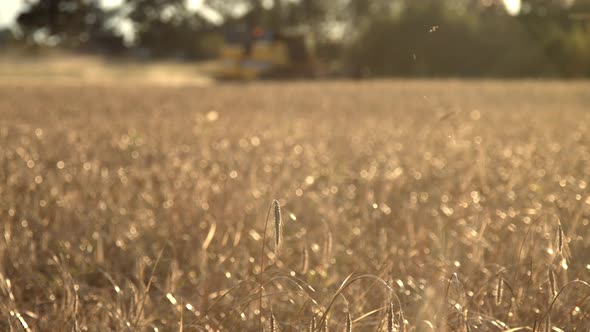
[[8, 11]]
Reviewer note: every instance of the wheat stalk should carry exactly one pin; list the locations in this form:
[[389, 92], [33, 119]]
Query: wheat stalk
[[324, 327], [548, 324], [278, 224], [499, 290], [147, 289], [552, 283], [348, 327], [273, 323], [328, 243], [312, 324], [559, 237], [390, 318], [305, 261]]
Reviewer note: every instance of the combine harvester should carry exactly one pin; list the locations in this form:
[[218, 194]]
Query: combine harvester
[[260, 54]]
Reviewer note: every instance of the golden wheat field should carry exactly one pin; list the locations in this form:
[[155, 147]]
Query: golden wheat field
[[400, 206]]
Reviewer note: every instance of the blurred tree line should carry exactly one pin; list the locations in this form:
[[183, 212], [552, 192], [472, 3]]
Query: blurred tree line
[[429, 38]]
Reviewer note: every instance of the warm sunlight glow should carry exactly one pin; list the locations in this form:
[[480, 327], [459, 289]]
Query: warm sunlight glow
[[111, 4], [512, 6], [193, 4]]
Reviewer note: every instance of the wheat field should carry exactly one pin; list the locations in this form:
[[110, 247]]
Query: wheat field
[[400, 205]]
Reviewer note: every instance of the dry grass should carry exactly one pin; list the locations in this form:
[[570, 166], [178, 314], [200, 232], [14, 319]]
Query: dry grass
[[68, 69], [463, 204]]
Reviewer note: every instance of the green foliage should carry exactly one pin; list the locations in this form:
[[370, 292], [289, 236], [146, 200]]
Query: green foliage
[[429, 38], [6, 37], [70, 23], [167, 28]]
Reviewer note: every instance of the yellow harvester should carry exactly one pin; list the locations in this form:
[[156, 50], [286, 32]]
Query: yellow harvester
[[265, 55]]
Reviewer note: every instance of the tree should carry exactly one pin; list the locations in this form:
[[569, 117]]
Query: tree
[[6, 37], [466, 38], [168, 28], [70, 23]]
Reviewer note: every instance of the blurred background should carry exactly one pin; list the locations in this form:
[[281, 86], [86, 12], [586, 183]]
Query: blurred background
[[251, 39]]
